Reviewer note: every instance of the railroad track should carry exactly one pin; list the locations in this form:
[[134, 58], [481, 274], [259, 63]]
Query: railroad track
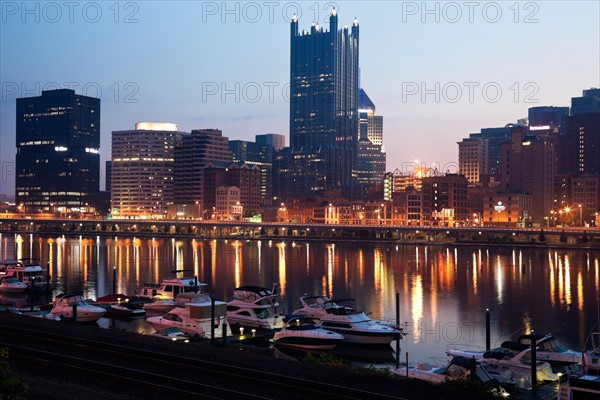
[[179, 376]]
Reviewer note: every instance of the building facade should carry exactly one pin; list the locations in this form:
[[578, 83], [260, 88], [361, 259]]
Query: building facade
[[324, 101], [192, 153], [142, 170], [58, 143], [527, 166]]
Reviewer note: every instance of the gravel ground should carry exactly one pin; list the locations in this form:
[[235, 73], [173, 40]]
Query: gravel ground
[[45, 383]]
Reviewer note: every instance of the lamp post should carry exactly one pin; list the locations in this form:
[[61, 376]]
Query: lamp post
[[580, 215], [499, 208]]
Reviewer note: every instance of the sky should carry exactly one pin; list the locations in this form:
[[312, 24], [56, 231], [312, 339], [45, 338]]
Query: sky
[[436, 71]]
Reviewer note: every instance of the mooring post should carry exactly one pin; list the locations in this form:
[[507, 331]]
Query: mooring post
[[196, 284], [224, 338], [212, 318], [533, 362], [32, 292], [398, 328], [487, 329], [48, 283], [75, 312], [114, 280], [407, 364]]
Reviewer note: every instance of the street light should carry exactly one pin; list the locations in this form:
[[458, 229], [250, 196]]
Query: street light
[[580, 215]]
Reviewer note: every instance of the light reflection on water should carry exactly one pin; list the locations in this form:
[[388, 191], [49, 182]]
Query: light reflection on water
[[444, 291]]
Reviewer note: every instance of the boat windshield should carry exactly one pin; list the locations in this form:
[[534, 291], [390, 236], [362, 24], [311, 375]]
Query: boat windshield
[[552, 345]]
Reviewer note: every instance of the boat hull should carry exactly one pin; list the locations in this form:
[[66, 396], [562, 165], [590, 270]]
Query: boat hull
[[82, 315], [365, 337]]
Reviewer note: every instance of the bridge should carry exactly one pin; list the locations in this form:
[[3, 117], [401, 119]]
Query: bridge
[[283, 230]]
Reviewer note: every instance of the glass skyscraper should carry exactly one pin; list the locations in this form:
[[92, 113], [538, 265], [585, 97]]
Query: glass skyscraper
[[58, 160], [324, 99]]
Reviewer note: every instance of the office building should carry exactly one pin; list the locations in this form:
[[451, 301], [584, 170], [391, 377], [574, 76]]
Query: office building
[[324, 100], [142, 170], [58, 160], [192, 154]]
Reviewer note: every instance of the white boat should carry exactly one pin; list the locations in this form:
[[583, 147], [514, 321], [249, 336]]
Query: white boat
[[192, 315], [171, 288], [354, 325], [172, 334], [304, 333], [548, 348], [456, 368], [64, 307], [584, 387], [520, 363], [35, 312], [159, 304], [591, 358], [25, 271], [10, 284], [253, 307]]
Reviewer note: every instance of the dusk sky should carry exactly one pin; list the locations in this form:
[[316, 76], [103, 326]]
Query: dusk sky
[[170, 61]]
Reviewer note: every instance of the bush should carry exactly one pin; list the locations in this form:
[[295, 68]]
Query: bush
[[10, 386]]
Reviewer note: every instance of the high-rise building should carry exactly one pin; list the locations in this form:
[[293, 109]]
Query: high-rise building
[[324, 101], [477, 159], [548, 116], [142, 169], [589, 102], [472, 158], [261, 154], [527, 166], [579, 147], [272, 139], [192, 154], [370, 163], [58, 160]]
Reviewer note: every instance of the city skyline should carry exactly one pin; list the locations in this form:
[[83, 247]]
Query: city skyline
[[143, 74]]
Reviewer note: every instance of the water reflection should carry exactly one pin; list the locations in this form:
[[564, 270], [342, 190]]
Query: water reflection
[[444, 291]]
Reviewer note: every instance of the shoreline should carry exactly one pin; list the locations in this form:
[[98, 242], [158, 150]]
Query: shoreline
[[592, 245]]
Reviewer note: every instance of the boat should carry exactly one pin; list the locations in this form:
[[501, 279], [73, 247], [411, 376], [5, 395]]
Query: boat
[[123, 310], [520, 363], [192, 315], [66, 305], [159, 304], [253, 307], [26, 271], [354, 325], [35, 312], [170, 288], [591, 358], [548, 348], [584, 387], [457, 368], [172, 334], [305, 334], [10, 284]]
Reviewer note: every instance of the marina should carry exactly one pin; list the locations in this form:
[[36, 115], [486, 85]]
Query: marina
[[443, 290]]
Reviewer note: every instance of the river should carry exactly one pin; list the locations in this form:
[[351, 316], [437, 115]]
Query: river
[[444, 290]]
